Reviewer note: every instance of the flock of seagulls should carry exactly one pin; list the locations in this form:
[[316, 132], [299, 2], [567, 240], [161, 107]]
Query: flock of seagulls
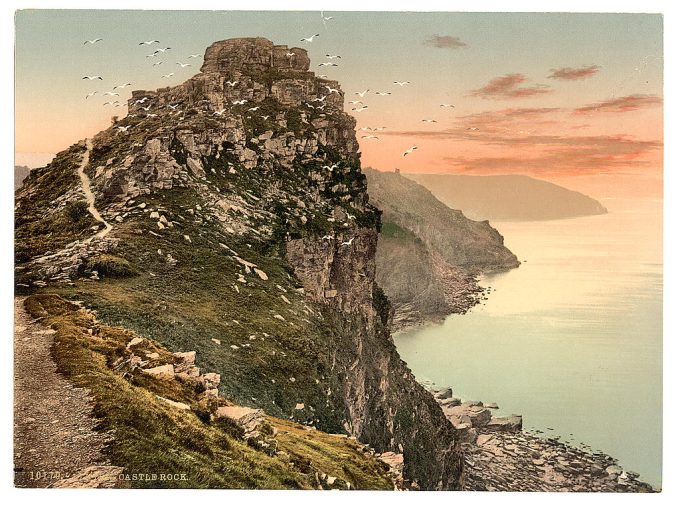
[[155, 55], [358, 104]]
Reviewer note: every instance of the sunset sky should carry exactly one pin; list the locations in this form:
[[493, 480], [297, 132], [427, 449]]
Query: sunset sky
[[572, 98]]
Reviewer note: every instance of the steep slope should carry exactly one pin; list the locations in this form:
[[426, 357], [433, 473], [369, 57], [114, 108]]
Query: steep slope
[[241, 231], [508, 197], [429, 254], [165, 417]]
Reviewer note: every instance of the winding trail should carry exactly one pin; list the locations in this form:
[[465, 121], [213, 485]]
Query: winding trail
[[89, 196], [55, 439]]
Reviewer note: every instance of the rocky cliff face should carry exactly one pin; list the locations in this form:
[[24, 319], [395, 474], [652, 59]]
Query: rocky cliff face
[[241, 229], [429, 255]]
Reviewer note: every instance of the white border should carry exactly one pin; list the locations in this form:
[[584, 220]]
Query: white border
[[671, 43]]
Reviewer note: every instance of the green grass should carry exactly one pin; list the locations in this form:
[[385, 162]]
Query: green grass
[[186, 306], [393, 230], [41, 223], [108, 265], [150, 436]]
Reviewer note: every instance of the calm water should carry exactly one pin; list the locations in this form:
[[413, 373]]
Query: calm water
[[572, 339]]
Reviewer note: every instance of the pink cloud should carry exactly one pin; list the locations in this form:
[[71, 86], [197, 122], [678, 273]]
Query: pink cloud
[[574, 74], [621, 104], [508, 86], [445, 42]]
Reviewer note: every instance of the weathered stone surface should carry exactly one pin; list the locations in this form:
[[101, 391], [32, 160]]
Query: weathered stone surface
[[509, 424], [249, 419], [162, 371], [231, 55]]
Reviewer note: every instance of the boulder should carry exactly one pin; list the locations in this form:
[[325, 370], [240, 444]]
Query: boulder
[[249, 419], [188, 358], [135, 341], [162, 371], [444, 394], [450, 402], [507, 424]]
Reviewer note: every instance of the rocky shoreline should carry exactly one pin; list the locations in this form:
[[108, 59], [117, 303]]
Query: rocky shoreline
[[501, 456], [461, 292]]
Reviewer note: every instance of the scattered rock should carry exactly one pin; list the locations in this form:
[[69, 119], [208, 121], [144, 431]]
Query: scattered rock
[[162, 371]]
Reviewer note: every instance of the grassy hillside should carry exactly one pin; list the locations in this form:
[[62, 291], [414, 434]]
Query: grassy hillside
[[212, 453]]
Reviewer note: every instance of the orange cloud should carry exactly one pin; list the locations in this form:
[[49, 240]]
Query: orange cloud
[[508, 117], [574, 74], [621, 104], [508, 86], [565, 155]]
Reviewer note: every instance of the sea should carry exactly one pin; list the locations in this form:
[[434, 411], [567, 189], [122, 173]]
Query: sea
[[572, 339]]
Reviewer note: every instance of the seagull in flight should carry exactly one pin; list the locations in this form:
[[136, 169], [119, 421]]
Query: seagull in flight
[[331, 90], [363, 93], [231, 83], [428, 120], [382, 93], [90, 94], [141, 100], [93, 41], [115, 103], [473, 129], [447, 105], [239, 102], [149, 42], [328, 237], [167, 75], [349, 242], [369, 137], [355, 102], [410, 150], [332, 56], [310, 39], [219, 112], [402, 83], [194, 56], [328, 64], [173, 107], [111, 93], [151, 55], [361, 109], [184, 64], [157, 63], [162, 49], [253, 109], [122, 86], [290, 54], [93, 77], [123, 128], [146, 109]]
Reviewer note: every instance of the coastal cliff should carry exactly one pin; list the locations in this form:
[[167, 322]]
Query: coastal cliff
[[229, 216], [429, 255]]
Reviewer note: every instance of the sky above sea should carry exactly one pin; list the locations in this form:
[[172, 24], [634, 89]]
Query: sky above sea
[[576, 99]]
